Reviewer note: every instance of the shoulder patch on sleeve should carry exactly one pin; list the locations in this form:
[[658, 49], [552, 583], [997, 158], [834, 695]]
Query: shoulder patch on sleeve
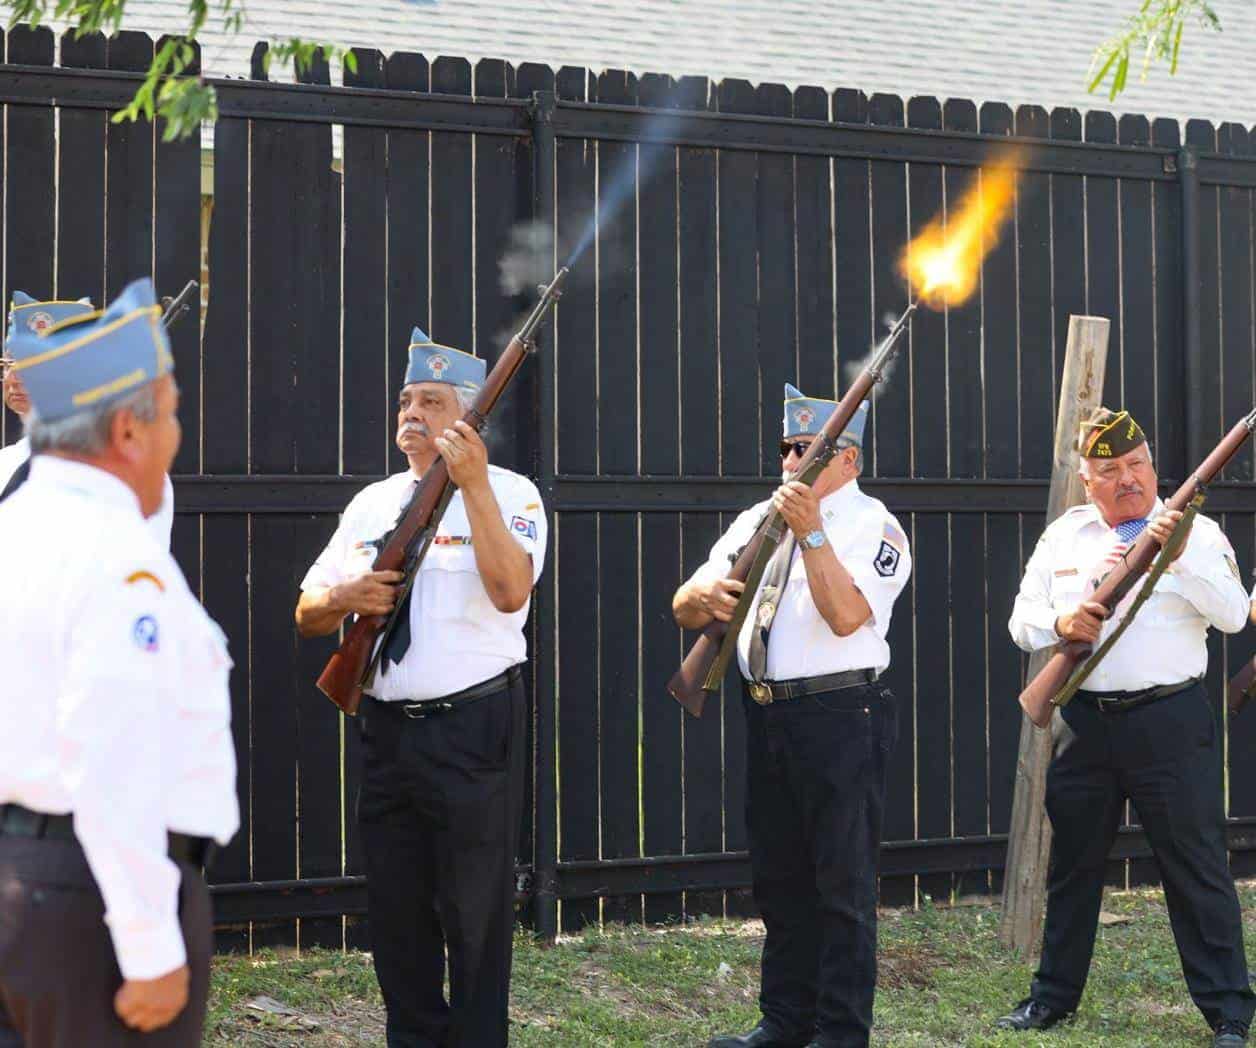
[[145, 576], [886, 560], [523, 526], [145, 634]]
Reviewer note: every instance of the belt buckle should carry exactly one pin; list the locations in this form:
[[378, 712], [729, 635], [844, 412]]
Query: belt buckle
[[1107, 704], [419, 710], [761, 693]]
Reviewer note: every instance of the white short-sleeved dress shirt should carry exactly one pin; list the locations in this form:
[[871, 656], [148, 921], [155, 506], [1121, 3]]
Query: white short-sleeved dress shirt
[[870, 544], [1167, 642], [114, 704], [457, 638], [160, 523]]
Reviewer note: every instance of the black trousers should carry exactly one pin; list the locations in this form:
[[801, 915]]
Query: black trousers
[[58, 970], [1165, 757], [815, 793], [440, 813]]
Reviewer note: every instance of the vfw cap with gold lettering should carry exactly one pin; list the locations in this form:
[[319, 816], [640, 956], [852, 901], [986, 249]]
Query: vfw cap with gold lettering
[[1109, 434]]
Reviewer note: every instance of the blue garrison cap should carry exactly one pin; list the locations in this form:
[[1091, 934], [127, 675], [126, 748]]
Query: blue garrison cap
[[30, 315], [806, 416], [88, 360], [432, 362]]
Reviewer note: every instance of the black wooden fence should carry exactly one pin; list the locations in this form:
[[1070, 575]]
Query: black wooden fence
[[757, 245]]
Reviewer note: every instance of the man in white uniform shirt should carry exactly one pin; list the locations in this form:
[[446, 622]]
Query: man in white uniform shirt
[[820, 729], [116, 763], [443, 721], [30, 315], [1143, 729]]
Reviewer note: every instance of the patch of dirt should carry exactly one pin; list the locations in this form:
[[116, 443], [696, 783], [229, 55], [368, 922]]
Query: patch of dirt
[[594, 982], [1157, 1008], [906, 966], [630, 1001], [348, 1024]]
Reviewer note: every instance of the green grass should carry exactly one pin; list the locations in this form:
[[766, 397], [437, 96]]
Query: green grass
[[944, 978]]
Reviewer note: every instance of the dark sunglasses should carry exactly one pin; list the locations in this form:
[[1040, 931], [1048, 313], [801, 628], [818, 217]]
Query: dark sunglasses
[[799, 446]]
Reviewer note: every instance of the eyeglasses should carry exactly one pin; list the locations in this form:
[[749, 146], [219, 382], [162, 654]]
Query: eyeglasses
[[800, 447]]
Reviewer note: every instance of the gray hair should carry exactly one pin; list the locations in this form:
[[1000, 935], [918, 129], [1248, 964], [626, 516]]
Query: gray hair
[[845, 442], [87, 433]]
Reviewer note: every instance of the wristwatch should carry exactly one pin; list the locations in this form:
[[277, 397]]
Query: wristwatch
[[814, 539]]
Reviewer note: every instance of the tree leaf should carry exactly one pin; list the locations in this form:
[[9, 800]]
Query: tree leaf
[[1122, 71], [1177, 47], [1099, 78]]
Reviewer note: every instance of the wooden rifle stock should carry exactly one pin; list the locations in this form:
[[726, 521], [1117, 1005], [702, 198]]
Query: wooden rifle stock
[[348, 670], [341, 679], [1240, 688], [688, 684], [1039, 697], [706, 662]]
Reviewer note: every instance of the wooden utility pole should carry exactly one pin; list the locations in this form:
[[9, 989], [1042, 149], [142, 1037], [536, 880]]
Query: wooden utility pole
[[1029, 842]]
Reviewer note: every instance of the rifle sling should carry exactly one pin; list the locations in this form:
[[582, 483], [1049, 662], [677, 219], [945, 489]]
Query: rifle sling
[[773, 530]]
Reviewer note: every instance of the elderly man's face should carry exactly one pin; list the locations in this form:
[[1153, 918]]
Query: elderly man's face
[[840, 470], [424, 411], [15, 398], [1122, 488]]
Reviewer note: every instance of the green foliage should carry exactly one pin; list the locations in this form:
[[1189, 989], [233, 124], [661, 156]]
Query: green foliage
[[180, 99], [1156, 32]]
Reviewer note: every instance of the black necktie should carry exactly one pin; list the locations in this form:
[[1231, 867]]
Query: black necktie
[[17, 480], [398, 642]]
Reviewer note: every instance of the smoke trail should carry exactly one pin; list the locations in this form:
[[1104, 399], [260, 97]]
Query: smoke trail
[[640, 168], [854, 368], [528, 259]]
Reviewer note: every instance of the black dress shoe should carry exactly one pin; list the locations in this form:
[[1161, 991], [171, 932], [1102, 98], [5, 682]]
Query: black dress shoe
[[760, 1037], [1229, 1034], [1031, 1014]]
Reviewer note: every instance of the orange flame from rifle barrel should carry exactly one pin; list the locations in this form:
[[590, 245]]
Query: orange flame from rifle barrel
[[943, 264]]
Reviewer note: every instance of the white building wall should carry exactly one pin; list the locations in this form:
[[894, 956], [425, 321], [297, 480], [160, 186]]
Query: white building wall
[[1015, 51]]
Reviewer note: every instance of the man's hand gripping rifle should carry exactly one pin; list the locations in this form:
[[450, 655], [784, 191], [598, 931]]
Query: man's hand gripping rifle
[[354, 664]]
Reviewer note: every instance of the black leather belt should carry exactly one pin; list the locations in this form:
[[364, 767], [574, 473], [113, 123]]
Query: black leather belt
[[770, 691], [1123, 701], [17, 821], [427, 707]]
